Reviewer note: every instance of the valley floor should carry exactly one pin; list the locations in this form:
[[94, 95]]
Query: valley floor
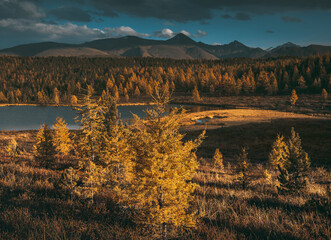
[[32, 207]]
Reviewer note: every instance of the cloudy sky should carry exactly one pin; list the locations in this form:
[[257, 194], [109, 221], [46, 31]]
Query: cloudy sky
[[263, 23]]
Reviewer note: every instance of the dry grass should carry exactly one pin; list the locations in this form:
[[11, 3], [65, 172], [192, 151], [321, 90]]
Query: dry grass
[[32, 206], [234, 117]]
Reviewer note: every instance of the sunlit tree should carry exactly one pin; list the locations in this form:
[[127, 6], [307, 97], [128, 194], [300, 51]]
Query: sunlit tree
[[195, 94], [61, 137], [44, 149], [279, 152], [162, 190], [293, 175], [12, 149], [218, 159], [294, 97]]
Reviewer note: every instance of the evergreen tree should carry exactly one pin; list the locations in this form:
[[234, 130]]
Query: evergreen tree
[[12, 149], [161, 189], [324, 95], [218, 159], [61, 137], [279, 152], [243, 168], [195, 94], [73, 100], [44, 149], [294, 97], [116, 155], [293, 174], [89, 144]]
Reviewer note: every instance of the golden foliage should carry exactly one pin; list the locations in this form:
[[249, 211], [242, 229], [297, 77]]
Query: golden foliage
[[61, 137], [294, 97], [279, 152], [44, 149], [164, 167], [218, 160]]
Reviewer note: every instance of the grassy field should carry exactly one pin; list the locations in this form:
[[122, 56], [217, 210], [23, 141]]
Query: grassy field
[[33, 207]]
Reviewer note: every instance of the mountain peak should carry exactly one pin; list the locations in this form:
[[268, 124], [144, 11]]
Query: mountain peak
[[181, 38], [236, 44], [288, 44]]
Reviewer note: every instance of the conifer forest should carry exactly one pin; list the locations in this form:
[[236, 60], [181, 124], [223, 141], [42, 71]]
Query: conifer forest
[[255, 167]]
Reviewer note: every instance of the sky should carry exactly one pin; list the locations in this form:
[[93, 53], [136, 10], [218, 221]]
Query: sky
[[255, 23]]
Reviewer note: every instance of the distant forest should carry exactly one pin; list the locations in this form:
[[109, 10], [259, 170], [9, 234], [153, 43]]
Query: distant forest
[[55, 80]]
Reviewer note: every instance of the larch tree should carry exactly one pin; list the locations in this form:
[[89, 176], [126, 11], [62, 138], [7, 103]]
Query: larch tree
[[12, 149], [116, 155], [195, 94], [56, 96], [218, 159], [161, 190], [294, 97], [73, 100], [89, 143], [293, 175], [243, 168], [61, 137], [44, 149], [324, 95], [279, 152]]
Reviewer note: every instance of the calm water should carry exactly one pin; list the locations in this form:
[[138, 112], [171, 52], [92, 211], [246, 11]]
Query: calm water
[[31, 117]]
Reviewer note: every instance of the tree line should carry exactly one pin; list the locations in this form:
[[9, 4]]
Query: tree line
[[58, 80]]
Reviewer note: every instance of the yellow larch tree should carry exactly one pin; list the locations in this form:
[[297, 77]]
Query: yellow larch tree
[[61, 137], [324, 95], [73, 100], [88, 148], [218, 159], [12, 149], [161, 190], [116, 154], [279, 153], [243, 168], [44, 150], [293, 175], [294, 97], [195, 94]]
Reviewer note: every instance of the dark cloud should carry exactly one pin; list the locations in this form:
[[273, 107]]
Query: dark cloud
[[242, 17], [170, 10], [71, 14], [226, 16], [12, 30], [204, 22], [20, 9], [290, 19], [239, 16], [198, 10], [176, 10], [270, 31]]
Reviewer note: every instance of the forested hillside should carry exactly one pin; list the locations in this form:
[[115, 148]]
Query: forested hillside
[[56, 80]]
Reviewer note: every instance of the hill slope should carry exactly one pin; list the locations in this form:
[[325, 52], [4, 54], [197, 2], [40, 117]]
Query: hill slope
[[178, 47]]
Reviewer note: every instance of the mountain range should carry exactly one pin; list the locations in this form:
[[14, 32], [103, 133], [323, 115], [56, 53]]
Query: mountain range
[[178, 47]]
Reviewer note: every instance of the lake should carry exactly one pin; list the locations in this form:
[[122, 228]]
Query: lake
[[31, 117]]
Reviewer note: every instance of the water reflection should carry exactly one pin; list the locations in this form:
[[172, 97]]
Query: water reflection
[[31, 117]]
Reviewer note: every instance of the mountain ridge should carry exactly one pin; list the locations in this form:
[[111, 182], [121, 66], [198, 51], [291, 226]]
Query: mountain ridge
[[178, 47]]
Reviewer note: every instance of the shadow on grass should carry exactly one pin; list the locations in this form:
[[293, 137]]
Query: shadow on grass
[[275, 203], [250, 232]]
